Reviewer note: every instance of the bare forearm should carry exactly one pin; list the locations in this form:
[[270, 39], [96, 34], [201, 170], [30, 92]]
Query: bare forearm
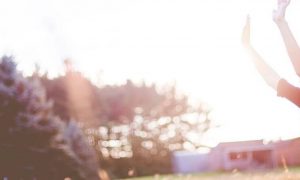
[[291, 45], [268, 74]]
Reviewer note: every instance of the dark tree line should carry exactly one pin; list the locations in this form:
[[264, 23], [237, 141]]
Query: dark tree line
[[134, 128], [76, 97]]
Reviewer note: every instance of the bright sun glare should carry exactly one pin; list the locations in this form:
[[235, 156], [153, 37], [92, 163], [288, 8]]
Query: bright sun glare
[[195, 43]]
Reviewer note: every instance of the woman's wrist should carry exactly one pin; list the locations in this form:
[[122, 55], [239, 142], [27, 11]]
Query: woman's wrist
[[281, 22]]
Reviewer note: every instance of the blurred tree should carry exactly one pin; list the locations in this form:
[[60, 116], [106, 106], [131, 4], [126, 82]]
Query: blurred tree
[[76, 97], [34, 143]]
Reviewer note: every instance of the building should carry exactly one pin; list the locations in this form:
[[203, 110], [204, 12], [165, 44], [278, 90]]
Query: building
[[240, 155]]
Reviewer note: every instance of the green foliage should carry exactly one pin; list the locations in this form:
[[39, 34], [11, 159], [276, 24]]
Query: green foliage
[[34, 143]]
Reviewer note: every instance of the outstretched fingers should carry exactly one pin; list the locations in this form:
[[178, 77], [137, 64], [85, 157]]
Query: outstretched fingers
[[283, 2], [279, 13], [246, 32]]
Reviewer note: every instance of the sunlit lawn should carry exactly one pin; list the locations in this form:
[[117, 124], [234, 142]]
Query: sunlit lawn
[[279, 174]]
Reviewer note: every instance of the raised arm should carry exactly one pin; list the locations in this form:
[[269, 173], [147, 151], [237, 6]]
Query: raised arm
[[288, 38], [268, 74]]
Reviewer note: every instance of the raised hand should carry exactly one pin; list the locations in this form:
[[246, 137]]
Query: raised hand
[[279, 13], [246, 33]]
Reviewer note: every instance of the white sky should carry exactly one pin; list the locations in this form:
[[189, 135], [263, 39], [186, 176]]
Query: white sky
[[193, 42]]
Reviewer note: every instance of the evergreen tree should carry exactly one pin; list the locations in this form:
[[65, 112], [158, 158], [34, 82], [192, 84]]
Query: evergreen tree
[[34, 143]]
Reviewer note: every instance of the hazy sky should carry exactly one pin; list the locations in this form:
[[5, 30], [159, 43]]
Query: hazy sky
[[193, 42]]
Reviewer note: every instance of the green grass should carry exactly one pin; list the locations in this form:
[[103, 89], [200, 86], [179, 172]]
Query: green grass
[[278, 174]]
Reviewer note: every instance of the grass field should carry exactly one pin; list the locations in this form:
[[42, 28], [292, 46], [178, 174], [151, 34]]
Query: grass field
[[279, 174]]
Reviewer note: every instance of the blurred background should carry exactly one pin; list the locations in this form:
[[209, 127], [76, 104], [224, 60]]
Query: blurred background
[[136, 79]]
